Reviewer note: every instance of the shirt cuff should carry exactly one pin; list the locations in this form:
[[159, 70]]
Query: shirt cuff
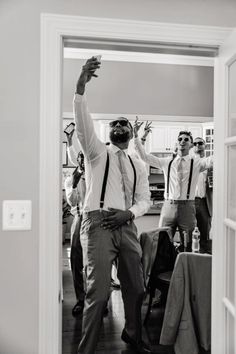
[[132, 209], [78, 97]]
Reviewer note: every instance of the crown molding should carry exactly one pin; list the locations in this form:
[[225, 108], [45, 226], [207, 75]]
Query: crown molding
[[150, 117], [138, 30]]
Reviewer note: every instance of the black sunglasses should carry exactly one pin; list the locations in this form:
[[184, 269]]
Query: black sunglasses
[[122, 122], [183, 139], [198, 143]]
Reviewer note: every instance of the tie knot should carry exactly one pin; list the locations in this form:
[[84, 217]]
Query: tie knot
[[120, 153]]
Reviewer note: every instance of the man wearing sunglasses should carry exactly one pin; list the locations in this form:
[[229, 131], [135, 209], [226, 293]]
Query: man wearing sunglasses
[[203, 196], [181, 174], [117, 192]]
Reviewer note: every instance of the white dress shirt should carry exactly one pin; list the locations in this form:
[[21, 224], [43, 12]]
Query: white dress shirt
[[95, 153], [201, 185], [72, 155], [75, 196], [199, 165]]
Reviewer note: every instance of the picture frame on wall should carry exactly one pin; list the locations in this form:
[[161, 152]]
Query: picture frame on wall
[[64, 154]]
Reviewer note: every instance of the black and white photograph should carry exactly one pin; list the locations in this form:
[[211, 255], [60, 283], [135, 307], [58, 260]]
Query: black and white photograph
[[118, 232]]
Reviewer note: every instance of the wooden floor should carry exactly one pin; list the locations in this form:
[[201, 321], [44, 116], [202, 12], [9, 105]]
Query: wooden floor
[[110, 341]]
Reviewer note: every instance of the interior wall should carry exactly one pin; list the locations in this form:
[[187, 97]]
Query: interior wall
[[19, 135], [144, 88]]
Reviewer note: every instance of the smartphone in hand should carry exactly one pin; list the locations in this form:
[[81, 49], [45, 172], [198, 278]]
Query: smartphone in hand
[[69, 128]]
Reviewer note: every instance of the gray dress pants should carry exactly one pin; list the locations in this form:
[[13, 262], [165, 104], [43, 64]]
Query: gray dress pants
[[203, 218], [100, 248], [181, 214], [76, 259]]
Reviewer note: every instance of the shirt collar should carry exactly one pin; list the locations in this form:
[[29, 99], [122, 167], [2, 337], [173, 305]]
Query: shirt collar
[[185, 158], [115, 148]]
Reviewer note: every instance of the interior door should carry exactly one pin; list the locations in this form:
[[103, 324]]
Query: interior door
[[224, 233]]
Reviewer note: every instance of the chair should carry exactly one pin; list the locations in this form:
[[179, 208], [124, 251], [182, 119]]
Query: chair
[[159, 256]]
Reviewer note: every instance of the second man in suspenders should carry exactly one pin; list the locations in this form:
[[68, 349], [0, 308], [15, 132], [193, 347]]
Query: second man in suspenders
[[181, 174], [117, 192]]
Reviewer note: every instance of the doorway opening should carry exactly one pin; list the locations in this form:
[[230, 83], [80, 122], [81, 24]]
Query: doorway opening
[[145, 67], [53, 31]]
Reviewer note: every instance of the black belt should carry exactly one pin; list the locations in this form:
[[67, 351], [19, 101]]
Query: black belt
[[175, 201]]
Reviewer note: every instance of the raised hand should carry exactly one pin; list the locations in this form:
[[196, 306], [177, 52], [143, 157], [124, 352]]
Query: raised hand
[[88, 71], [148, 127], [69, 137], [147, 130], [137, 126]]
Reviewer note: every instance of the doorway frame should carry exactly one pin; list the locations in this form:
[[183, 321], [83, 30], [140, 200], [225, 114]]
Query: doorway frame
[[54, 28]]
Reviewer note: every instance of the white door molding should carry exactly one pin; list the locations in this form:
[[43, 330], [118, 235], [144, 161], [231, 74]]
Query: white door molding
[[53, 29]]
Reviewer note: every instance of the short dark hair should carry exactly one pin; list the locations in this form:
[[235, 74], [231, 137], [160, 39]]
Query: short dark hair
[[185, 132], [198, 137]]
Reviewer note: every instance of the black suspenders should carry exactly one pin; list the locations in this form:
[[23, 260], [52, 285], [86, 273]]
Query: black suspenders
[[135, 178], [168, 177], [104, 183], [189, 180]]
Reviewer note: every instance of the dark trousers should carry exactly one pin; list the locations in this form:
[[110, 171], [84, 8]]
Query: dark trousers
[[100, 249], [181, 214], [76, 259], [203, 218]]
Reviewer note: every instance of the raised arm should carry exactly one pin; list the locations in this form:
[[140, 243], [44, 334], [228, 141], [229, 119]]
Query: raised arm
[[72, 155], [71, 183], [148, 158], [91, 145]]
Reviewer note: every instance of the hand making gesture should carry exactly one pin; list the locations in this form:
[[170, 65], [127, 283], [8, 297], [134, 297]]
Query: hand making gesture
[[147, 130], [88, 71], [137, 126], [69, 137]]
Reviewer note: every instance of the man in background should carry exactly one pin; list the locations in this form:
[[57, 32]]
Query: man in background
[[203, 195], [75, 194], [181, 174], [73, 158]]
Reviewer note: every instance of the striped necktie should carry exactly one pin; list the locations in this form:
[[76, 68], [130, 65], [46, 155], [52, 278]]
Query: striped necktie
[[126, 183]]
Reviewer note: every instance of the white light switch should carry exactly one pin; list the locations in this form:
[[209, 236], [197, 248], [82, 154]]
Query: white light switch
[[16, 214]]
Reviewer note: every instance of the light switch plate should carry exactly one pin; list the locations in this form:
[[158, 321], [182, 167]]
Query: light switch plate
[[16, 214]]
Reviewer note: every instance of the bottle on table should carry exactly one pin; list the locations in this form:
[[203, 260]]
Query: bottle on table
[[196, 240]]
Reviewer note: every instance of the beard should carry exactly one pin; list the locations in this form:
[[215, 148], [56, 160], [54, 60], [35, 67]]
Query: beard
[[119, 137]]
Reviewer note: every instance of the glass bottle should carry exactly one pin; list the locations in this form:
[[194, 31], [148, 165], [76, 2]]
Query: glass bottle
[[196, 240]]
